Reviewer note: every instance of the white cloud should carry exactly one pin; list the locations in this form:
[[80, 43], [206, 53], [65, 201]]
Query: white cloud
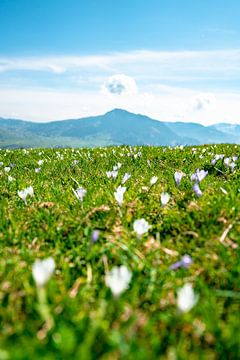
[[204, 101], [120, 84], [173, 65], [182, 85]]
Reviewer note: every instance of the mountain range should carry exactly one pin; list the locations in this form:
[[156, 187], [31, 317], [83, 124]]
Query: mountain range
[[116, 127]]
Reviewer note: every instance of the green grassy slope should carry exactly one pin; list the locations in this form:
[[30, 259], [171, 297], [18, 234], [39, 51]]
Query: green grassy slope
[[144, 322]]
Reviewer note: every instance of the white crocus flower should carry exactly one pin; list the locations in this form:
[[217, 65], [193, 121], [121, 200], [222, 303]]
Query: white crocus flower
[[119, 194], [40, 162], [42, 270], [153, 180], [80, 193], [112, 174], [25, 192], [141, 226], [126, 177], [186, 298], [165, 197], [118, 279], [7, 169]]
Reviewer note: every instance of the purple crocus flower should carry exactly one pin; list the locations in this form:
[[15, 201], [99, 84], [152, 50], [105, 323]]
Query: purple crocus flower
[[178, 177], [197, 190], [201, 174], [232, 165], [213, 162], [95, 236], [185, 262]]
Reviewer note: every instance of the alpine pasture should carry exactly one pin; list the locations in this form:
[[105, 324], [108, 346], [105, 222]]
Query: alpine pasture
[[120, 253]]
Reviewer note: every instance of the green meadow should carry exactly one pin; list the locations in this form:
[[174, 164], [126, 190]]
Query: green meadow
[[75, 315]]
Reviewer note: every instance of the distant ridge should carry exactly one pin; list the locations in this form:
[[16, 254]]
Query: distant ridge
[[116, 127]]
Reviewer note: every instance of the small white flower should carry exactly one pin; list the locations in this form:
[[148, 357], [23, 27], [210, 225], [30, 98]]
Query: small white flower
[[165, 197], [10, 178], [7, 169], [153, 180], [186, 298], [42, 270], [227, 161], [37, 170], [118, 279], [80, 193], [40, 162], [141, 226], [126, 177], [25, 192], [119, 194], [112, 174]]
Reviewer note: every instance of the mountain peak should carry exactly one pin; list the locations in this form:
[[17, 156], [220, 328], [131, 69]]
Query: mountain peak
[[118, 111]]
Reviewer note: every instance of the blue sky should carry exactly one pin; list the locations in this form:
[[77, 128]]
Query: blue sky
[[169, 59]]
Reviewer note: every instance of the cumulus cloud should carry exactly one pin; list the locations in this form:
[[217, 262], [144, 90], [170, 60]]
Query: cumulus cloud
[[204, 101], [120, 84]]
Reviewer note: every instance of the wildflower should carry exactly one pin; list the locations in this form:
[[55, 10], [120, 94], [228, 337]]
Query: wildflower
[[232, 165], [10, 178], [165, 197], [186, 298], [112, 174], [42, 270], [118, 279], [184, 262], [197, 190], [141, 226], [235, 158], [95, 236], [153, 180], [7, 169], [40, 162], [119, 193], [213, 162], [178, 177], [25, 192], [126, 177], [226, 161], [201, 174], [37, 170], [80, 193]]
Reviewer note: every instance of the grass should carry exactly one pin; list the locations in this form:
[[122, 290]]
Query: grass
[[144, 322]]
